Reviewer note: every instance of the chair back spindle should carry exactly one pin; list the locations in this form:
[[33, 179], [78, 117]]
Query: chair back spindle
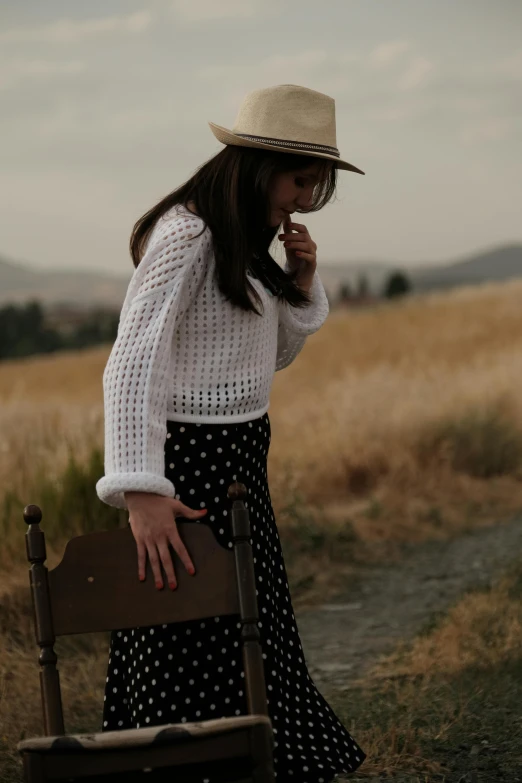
[[45, 637], [246, 587]]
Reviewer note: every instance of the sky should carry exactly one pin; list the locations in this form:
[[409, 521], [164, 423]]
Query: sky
[[104, 109]]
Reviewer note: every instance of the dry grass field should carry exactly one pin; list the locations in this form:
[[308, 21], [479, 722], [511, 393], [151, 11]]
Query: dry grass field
[[446, 705], [396, 424], [401, 422]]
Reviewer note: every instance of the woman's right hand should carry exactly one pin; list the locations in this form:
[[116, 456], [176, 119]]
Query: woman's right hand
[[153, 523]]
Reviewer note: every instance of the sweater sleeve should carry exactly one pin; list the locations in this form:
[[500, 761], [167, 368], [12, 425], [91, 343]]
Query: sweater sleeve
[[137, 375], [296, 323]]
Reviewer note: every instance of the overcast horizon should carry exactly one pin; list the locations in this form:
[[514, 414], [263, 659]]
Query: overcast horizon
[[105, 109]]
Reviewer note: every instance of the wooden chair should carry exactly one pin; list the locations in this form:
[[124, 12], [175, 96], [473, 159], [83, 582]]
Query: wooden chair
[[95, 587]]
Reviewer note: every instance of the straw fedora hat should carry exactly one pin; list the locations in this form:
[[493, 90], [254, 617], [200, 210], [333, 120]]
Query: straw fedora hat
[[287, 118]]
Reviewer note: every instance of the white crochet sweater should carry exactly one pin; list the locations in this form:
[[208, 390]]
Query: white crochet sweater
[[183, 352]]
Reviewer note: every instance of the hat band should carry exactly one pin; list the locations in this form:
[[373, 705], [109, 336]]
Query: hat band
[[293, 144]]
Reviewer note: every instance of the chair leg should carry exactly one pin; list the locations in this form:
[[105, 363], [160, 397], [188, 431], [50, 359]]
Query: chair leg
[[262, 746], [33, 768], [264, 773]]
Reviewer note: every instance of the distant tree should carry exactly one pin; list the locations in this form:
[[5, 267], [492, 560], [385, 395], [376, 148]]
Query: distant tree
[[8, 329], [24, 331], [397, 284], [99, 327], [345, 291], [363, 288]]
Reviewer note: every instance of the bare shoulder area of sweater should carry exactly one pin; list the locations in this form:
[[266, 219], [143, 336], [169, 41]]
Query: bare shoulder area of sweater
[[178, 210], [173, 219], [186, 211]]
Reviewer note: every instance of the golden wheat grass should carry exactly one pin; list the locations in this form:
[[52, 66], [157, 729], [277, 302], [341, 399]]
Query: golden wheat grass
[[370, 424], [401, 422]]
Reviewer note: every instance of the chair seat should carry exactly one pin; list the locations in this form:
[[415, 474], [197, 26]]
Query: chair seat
[[153, 736]]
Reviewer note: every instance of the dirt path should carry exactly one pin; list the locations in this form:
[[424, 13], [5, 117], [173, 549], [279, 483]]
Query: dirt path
[[341, 639]]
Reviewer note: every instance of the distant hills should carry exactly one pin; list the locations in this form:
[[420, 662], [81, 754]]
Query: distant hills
[[501, 263], [20, 283]]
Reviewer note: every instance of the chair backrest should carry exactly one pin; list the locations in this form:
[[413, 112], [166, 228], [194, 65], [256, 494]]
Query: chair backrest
[[95, 587]]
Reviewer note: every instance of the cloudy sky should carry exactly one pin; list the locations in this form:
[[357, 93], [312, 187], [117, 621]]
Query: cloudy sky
[[104, 109]]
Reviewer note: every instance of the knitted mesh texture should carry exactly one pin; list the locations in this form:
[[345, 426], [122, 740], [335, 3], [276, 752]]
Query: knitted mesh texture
[[185, 353]]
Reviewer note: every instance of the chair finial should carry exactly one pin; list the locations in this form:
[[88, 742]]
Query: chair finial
[[32, 515], [237, 491]]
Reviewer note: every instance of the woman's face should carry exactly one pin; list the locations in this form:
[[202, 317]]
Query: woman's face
[[292, 190]]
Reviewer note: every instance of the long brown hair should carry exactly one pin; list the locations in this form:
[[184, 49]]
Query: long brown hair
[[230, 194]]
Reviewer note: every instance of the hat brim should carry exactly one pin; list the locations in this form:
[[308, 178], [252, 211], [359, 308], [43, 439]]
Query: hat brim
[[226, 136]]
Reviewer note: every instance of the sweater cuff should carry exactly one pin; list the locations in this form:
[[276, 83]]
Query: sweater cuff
[[307, 319], [110, 488]]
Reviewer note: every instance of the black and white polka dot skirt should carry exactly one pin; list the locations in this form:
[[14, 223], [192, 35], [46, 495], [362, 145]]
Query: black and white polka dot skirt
[[192, 671]]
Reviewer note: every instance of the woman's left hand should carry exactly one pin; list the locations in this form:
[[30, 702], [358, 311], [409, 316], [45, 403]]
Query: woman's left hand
[[300, 252]]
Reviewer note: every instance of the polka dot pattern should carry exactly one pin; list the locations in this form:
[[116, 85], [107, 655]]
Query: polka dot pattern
[[193, 671]]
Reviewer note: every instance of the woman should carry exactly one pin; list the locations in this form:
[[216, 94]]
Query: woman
[[209, 316]]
